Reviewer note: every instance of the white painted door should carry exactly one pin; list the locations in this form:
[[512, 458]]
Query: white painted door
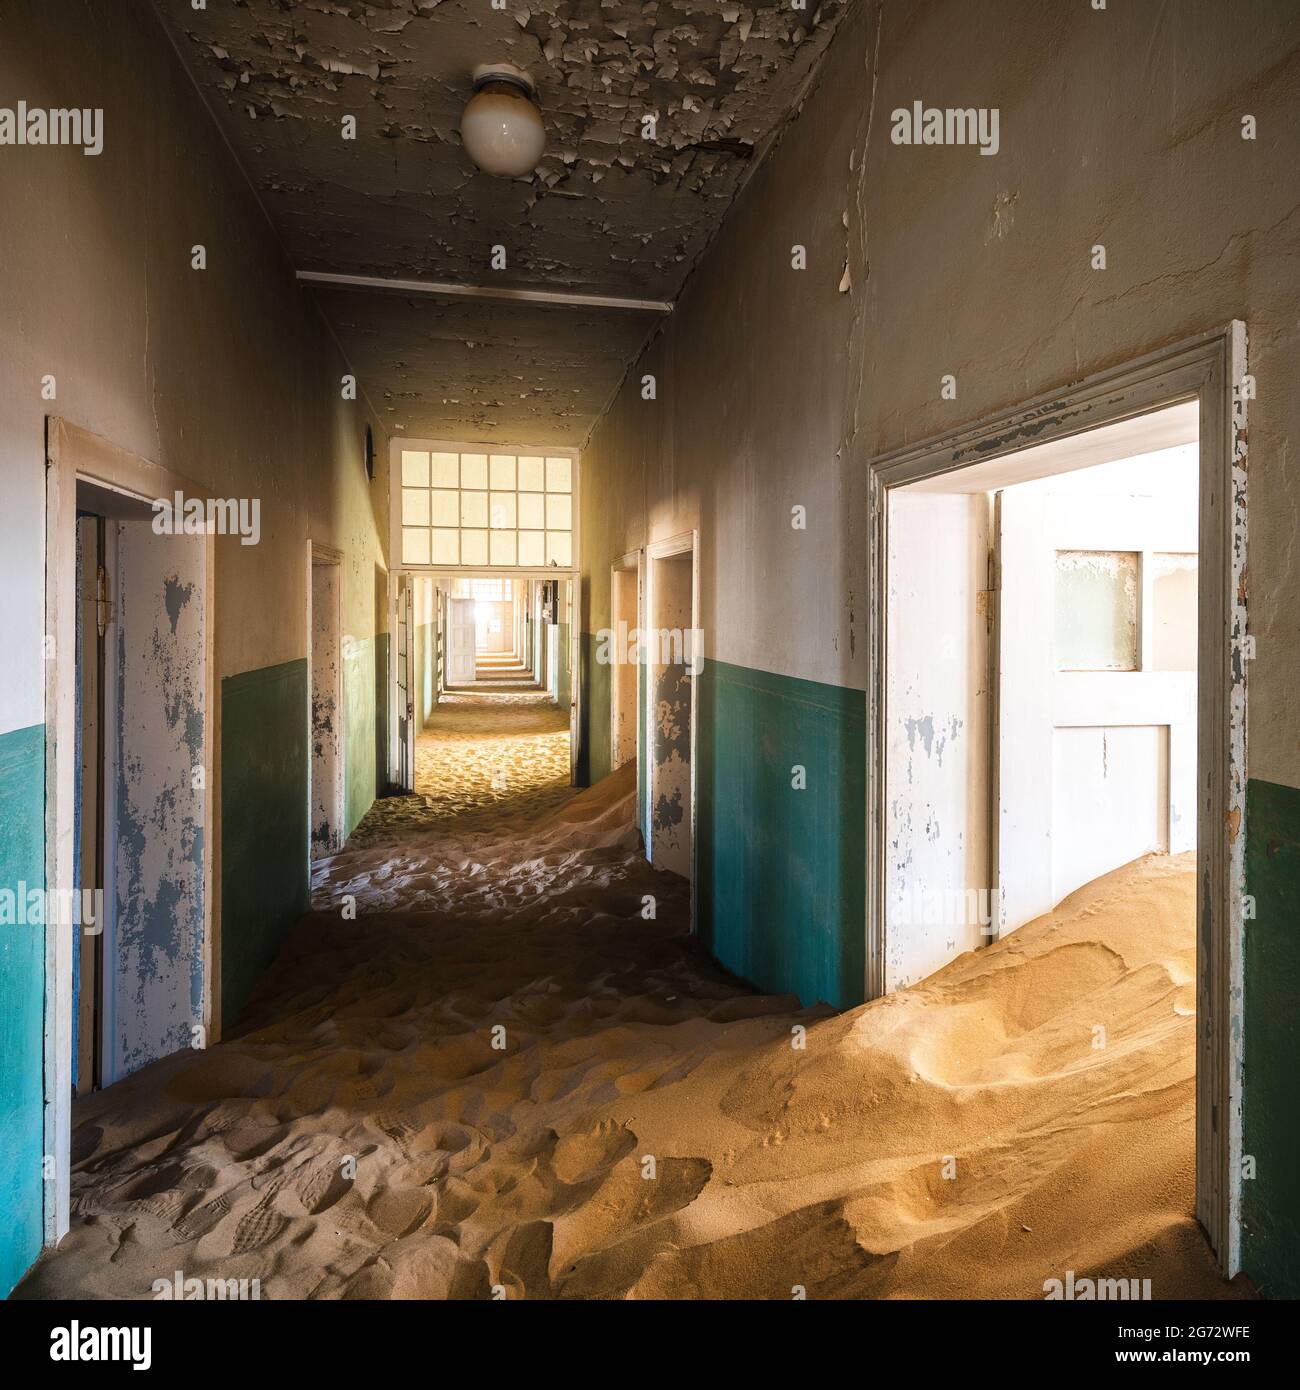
[[936, 898], [153, 945], [1096, 718], [462, 636]]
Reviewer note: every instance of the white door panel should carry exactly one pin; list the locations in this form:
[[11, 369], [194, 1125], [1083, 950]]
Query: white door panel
[[1096, 767], [461, 667]]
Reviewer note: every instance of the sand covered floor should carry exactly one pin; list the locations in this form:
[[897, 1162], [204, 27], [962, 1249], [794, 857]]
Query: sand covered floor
[[363, 1136], [491, 750]]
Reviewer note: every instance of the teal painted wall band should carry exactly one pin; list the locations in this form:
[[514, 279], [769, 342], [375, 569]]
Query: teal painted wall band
[[1271, 1117], [594, 750], [265, 752], [782, 873], [564, 676], [22, 1006]]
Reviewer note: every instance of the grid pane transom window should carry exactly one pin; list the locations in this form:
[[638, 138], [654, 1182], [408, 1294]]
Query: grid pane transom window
[[486, 509]]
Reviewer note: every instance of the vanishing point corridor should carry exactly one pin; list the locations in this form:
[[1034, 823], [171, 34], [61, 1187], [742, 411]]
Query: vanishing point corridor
[[649, 652]]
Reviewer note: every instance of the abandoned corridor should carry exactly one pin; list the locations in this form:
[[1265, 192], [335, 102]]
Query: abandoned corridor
[[501, 1039]]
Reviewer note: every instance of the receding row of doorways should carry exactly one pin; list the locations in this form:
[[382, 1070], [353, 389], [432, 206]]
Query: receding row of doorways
[[457, 632]]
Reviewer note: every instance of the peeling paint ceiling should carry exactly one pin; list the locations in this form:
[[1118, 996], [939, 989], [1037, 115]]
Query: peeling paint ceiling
[[607, 211]]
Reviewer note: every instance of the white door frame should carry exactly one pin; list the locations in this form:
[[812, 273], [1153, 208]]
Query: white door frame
[[1209, 368], [74, 454], [633, 561], [684, 542]]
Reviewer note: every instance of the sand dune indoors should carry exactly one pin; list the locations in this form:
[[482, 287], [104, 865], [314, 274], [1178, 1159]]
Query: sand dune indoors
[[775, 1167]]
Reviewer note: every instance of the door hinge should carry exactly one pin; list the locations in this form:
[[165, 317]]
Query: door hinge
[[103, 609]]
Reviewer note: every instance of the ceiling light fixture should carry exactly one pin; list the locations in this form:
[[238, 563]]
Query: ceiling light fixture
[[501, 127]]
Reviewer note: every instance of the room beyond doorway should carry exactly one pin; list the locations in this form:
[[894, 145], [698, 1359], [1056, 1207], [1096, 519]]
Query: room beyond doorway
[[1198, 381]]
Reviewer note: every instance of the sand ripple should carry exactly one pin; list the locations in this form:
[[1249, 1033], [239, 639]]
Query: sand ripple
[[639, 1125]]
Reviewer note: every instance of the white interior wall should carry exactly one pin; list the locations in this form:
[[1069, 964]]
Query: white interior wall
[[1110, 800]]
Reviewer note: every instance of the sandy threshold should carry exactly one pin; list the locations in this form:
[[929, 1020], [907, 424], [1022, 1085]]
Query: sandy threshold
[[773, 1167]]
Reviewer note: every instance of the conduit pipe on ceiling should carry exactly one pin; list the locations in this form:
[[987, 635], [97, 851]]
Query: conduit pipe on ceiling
[[441, 288]]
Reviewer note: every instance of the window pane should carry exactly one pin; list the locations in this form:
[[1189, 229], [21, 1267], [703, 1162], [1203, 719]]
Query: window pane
[[559, 513], [1173, 615], [503, 547], [415, 468], [503, 510], [473, 509], [559, 475], [1096, 610], [532, 474], [415, 506], [444, 471], [532, 548], [532, 511], [445, 510], [473, 470], [446, 549], [473, 547], [415, 546], [503, 472], [559, 547]]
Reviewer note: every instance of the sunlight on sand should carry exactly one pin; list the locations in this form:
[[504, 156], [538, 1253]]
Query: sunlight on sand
[[774, 1167]]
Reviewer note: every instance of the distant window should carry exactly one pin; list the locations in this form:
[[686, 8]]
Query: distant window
[[486, 510], [486, 590]]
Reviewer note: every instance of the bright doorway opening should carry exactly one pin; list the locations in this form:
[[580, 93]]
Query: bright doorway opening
[[1041, 690], [1057, 747]]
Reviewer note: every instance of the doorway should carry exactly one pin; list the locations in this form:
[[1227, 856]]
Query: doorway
[[129, 826], [139, 802], [325, 644], [672, 655], [498, 742], [1111, 574]]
